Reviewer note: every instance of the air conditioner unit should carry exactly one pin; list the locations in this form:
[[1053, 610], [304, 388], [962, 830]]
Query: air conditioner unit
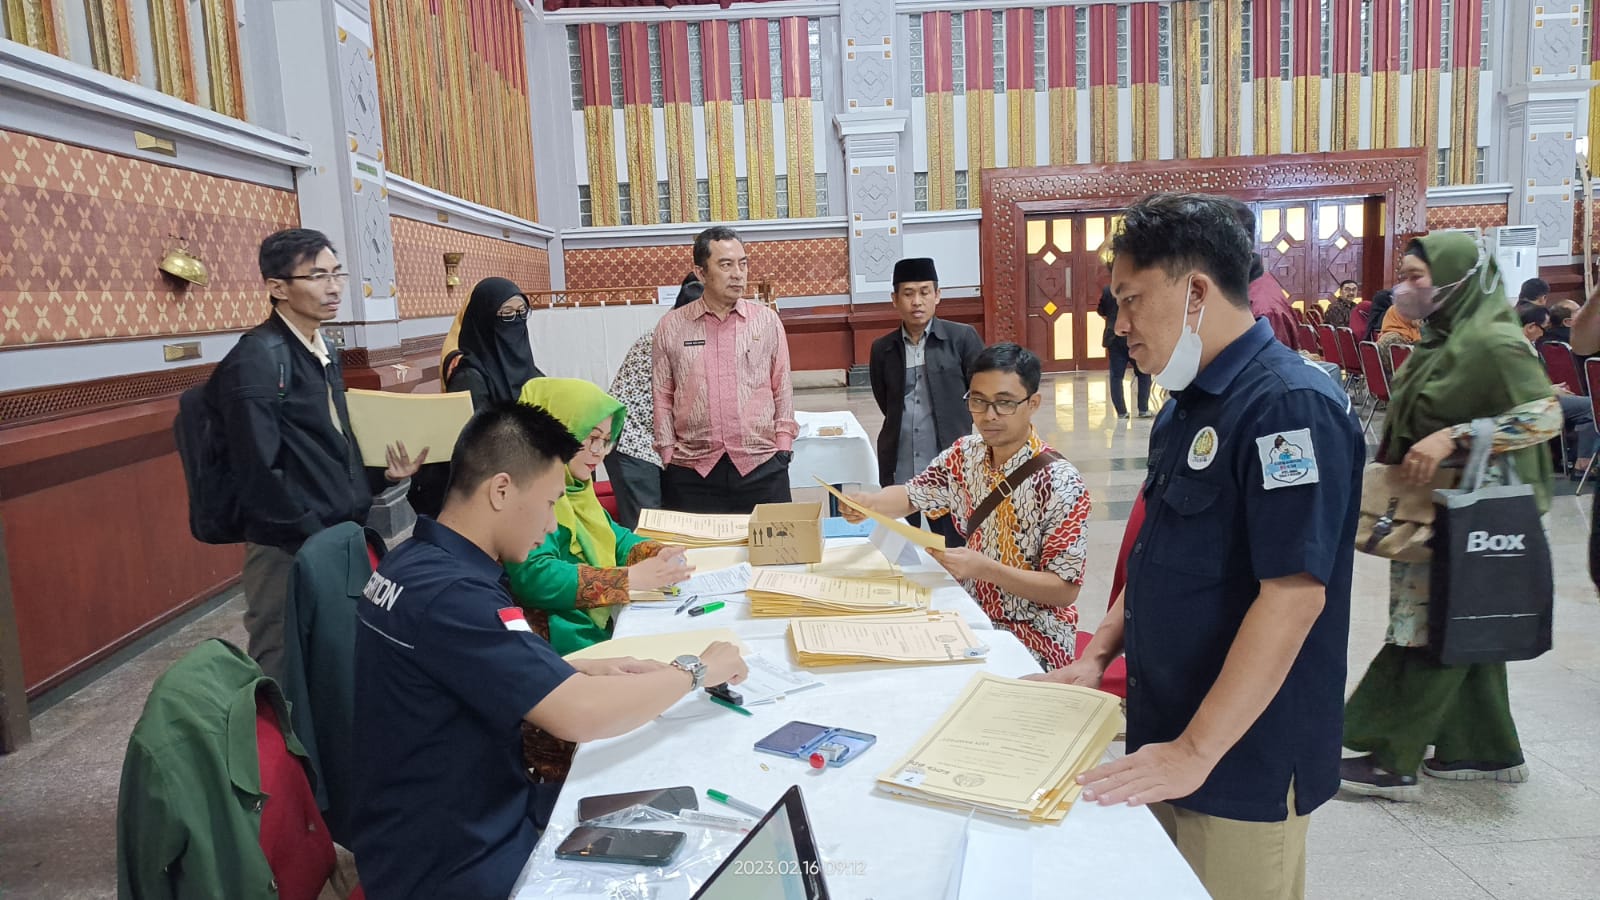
[[1516, 252], [1473, 233]]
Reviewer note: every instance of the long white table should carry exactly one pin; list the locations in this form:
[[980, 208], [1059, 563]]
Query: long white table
[[876, 847]]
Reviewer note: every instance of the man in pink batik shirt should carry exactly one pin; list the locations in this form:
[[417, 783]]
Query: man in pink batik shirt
[[724, 408]]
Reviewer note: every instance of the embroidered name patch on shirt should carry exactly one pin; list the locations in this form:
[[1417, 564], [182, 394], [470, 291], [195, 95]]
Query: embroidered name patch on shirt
[[1287, 458], [514, 619]]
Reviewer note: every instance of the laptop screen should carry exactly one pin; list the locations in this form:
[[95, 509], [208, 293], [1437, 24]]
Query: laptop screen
[[776, 861]]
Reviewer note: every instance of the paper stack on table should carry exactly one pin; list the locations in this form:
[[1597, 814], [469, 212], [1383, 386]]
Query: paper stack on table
[[693, 529], [1009, 747], [659, 647], [906, 638], [774, 592]]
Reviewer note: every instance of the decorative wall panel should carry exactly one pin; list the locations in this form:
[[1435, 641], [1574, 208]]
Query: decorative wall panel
[[800, 268], [1477, 215], [419, 266], [84, 231]]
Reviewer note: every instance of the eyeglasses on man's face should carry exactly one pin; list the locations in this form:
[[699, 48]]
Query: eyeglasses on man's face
[[322, 279], [978, 406], [519, 314]]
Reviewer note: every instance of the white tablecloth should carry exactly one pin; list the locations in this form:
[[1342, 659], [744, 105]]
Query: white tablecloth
[[848, 458], [875, 846]]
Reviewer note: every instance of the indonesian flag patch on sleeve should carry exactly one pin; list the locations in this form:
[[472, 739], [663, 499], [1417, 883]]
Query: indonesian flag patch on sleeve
[[514, 619]]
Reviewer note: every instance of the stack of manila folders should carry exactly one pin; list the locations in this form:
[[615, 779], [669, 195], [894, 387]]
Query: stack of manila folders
[[1009, 747], [774, 592], [901, 638], [694, 529]]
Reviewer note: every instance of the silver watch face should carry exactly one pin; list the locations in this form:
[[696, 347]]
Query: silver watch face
[[687, 661]]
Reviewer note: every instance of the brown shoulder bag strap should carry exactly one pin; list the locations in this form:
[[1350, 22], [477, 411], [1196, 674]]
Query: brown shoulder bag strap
[[1003, 490]]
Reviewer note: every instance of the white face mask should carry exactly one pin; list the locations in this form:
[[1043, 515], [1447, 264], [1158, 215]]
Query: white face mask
[[1184, 364]]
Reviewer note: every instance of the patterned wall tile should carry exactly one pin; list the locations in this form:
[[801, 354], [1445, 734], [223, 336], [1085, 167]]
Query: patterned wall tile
[[419, 249], [799, 268], [81, 232], [1478, 215]]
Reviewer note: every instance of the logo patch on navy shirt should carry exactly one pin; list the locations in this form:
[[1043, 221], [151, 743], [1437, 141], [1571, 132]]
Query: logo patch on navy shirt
[[514, 619], [1287, 458], [1204, 448]]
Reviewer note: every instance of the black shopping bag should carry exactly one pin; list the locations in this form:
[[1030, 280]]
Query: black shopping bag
[[1492, 591]]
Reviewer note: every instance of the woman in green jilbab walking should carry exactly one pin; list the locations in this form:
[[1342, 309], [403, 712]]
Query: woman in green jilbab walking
[[1472, 363]]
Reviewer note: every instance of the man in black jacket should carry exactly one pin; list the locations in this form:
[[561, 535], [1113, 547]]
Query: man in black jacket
[[281, 398], [919, 376]]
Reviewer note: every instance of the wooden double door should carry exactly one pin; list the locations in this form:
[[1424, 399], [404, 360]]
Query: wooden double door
[[1310, 246]]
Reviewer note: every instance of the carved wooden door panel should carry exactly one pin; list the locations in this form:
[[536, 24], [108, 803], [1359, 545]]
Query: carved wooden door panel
[[1065, 273], [1283, 238], [1339, 244]]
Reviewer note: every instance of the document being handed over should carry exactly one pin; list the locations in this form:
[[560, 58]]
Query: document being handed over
[[1011, 747]]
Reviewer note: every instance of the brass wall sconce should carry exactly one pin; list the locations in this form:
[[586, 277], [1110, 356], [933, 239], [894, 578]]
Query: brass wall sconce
[[183, 265], [452, 265]]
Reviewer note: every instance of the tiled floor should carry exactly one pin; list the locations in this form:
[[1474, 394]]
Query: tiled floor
[[1539, 840]]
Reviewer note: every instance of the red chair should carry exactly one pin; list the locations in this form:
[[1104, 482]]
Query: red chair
[[1328, 344], [1563, 367], [1591, 375], [607, 497], [1314, 315], [1377, 381], [1398, 353], [1349, 357], [1305, 336]]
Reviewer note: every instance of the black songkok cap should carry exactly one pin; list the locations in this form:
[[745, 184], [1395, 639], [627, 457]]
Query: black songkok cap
[[919, 269]]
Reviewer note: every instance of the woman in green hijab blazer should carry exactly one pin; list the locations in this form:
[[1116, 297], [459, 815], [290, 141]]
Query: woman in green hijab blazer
[[571, 583], [1472, 363]]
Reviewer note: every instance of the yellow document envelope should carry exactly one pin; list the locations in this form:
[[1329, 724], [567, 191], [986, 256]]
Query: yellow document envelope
[[381, 418], [659, 647]]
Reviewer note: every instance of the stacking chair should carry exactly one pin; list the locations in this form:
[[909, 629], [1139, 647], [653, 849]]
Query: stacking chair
[[1313, 314], [1349, 358], [1563, 367], [1306, 336], [1398, 353], [1377, 380], [1328, 344]]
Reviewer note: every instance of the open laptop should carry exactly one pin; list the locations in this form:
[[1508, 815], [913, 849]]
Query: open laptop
[[777, 860]]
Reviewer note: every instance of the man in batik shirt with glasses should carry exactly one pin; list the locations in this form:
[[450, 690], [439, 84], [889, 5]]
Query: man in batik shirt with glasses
[[1021, 507]]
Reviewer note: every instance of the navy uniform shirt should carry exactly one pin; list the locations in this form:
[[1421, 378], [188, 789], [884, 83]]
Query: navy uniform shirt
[[446, 667], [1255, 473]]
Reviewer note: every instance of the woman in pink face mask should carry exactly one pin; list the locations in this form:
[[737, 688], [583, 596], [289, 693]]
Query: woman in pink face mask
[[1470, 362]]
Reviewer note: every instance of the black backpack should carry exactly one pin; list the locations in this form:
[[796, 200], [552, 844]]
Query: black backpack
[[203, 447]]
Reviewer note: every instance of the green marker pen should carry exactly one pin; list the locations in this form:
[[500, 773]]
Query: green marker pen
[[707, 607]]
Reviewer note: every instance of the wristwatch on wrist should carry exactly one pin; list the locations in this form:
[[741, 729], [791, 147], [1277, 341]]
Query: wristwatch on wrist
[[695, 668]]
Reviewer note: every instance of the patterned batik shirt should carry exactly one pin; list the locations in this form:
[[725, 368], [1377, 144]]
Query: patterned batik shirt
[[1041, 528], [631, 388]]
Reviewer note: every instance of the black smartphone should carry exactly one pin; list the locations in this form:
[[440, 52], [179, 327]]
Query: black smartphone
[[791, 738], [590, 843], [669, 800]]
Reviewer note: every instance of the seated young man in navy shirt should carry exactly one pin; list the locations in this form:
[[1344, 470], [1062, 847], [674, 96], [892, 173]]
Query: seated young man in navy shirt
[[447, 669]]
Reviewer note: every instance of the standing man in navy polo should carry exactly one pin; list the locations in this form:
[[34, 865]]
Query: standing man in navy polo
[[447, 669], [1236, 612]]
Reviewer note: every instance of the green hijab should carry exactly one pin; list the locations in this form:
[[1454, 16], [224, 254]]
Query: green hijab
[[581, 406], [1472, 362]]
